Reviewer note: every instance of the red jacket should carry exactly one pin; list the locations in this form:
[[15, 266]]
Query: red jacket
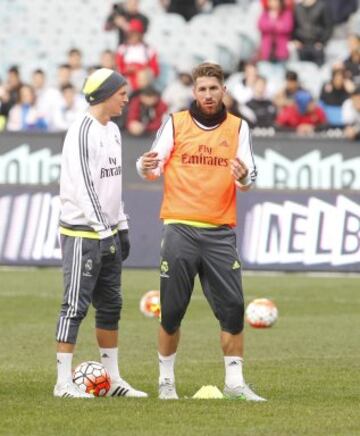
[[290, 116], [130, 59], [150, 116]]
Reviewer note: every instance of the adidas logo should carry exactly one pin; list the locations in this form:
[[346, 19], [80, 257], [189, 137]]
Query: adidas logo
[[234, 363], [236, 265], [105, 356]]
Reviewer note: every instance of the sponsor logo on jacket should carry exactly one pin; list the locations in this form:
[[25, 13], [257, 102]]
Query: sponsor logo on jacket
[[112, 171]]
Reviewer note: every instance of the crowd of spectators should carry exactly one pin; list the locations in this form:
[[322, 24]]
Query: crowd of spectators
[[285, 26]]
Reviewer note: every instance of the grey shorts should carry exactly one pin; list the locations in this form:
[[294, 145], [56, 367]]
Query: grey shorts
[[210, 252], [88, 279]]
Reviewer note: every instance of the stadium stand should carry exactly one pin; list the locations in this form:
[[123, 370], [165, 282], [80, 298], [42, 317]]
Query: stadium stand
[[47, 32], [39, 34]]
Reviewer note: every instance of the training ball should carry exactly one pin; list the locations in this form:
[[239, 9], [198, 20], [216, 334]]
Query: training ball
[[92, 378], [261, 313], [150, 304]]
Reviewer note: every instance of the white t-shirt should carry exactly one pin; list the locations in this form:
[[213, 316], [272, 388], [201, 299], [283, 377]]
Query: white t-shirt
[[349, 113]]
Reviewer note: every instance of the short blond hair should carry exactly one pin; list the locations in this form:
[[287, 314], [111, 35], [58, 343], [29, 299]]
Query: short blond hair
[[208, 69]]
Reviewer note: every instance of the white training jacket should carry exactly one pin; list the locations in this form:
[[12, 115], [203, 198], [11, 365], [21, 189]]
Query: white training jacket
[[164, 144], [91, 177]]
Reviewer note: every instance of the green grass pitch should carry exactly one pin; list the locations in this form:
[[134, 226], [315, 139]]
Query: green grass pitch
[[307, 365]]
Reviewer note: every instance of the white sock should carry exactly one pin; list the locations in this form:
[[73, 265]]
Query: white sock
[[166, 367], [109, 358], [233, 371], [64, 372]]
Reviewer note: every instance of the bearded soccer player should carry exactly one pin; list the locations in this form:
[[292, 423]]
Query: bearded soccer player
[[94, 231], [205, 155]]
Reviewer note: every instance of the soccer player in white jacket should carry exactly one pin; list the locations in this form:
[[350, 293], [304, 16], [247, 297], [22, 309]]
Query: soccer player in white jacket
[[94, 231]]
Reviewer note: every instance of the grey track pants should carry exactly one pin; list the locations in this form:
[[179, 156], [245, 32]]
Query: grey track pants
[[88, 279]]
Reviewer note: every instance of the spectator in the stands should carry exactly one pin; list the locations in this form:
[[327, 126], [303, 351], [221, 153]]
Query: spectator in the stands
[[48, 99], [333, 95], [178, 93], [341, 9], [352, 63], [136, 60], [9, 93], [222, 2], [121, 15], [243, 90], [312, 30], [63, 76], [145, 112], [78, 72], [303, 116], [24, 115], [232, 105], [3, 95], [107, 59], [185, 8], [285, 97], [73, 105], [351, 115], [276, 26], [259, 110]]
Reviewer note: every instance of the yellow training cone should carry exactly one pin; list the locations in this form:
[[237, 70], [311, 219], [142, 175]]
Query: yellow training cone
[[208, 392]]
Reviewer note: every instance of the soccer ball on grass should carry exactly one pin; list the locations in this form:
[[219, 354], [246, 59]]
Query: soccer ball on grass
[[92, 378], [150, 304], [261, 313]]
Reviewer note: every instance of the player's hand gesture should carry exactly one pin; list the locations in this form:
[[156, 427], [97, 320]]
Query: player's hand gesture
[[149, 161], [238, 169]]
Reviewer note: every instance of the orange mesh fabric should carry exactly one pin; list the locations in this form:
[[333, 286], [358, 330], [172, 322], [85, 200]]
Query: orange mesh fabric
[[198, 184]]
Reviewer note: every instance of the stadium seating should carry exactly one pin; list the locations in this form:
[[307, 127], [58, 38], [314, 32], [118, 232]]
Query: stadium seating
[[39, 34], [354, 23], [336, 50], [167, 24], [274, 74], [47, 30], [229, 10], [309, 74]]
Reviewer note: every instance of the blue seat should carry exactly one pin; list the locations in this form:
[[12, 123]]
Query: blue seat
[[333, 114]]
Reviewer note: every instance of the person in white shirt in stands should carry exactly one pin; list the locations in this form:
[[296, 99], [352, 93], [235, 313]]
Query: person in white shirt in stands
[[351, 115], [48, 99], [25, 116], [178, 93], [71, 107], [94, 232], [78, 72]]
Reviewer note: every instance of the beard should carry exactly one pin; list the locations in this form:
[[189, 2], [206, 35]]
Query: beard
[[214, 115], [210, 109]]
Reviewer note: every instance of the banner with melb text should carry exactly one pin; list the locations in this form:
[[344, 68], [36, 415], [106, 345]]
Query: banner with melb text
[[277, 230], [316, 230]]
